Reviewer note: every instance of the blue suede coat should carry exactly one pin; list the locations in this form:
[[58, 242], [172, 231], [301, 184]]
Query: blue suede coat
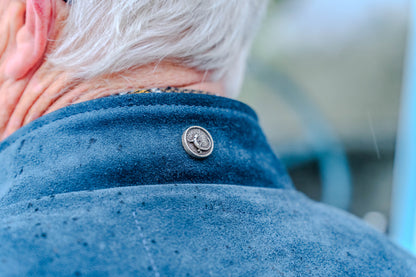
[[105, 188]]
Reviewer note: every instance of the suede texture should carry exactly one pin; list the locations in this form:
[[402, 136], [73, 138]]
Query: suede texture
[[105, 188]]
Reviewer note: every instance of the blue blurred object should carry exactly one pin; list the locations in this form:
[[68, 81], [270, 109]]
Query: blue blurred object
[[403, 224], [319, 143]]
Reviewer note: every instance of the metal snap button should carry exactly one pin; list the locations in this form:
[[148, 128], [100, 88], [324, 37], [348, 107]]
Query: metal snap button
[[197, 142]]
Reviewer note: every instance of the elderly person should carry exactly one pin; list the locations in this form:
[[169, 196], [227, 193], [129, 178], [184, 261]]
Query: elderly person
[[119, 157]]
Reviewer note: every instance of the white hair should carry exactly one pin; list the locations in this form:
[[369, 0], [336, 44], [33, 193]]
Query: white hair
[[106, 36]]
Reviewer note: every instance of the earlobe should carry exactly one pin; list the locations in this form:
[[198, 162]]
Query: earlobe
[[31, 39]]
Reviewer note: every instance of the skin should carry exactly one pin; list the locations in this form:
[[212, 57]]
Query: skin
[[31, 88]]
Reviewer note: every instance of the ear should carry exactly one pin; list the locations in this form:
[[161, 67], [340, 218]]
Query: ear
[[31, 39]]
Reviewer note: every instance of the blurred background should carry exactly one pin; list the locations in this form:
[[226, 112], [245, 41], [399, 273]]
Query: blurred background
[[326, 78]]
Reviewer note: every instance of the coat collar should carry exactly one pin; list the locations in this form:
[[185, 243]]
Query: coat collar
[[132, 140]]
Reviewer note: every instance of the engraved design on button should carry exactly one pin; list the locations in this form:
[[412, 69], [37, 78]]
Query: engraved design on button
[[197, 142]]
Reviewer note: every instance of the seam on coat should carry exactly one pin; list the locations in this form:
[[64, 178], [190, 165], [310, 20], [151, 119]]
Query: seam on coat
[[146, 245], [243, 114], [15, 205]]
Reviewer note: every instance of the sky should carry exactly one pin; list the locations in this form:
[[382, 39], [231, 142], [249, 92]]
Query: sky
[[313, 21]]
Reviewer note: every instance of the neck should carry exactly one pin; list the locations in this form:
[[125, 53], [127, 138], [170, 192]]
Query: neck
[[25, 100]]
